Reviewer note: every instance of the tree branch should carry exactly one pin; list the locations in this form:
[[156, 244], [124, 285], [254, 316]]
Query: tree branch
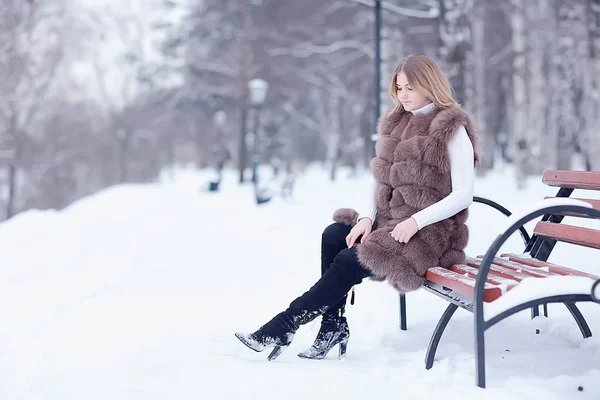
[[221, 69], [303, 119], [310, 49], [432, 13]]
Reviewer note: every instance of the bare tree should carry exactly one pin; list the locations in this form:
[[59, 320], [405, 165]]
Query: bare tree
[[591, 143], [571, 14], [520, 134], [31, 40], [454, 48], [480, 105], [221, 56], [125, 30], [539, 39]]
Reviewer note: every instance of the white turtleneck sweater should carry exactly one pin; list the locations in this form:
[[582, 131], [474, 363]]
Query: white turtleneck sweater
[[460, 151]]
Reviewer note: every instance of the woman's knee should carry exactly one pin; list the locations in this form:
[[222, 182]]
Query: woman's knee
[[345, 257], [348, 264], [335, 232], [347, 260]]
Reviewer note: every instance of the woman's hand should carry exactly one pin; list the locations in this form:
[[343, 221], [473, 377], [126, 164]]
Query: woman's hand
[[362, 227], [405, 230]]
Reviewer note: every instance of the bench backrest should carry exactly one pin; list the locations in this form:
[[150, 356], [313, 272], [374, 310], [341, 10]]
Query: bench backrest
[[572, 179], [548, 231]]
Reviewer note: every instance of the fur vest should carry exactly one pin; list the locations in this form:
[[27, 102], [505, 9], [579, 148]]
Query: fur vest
[[412, 170]]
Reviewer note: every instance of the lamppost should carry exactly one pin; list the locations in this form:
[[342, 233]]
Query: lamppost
[[219, 122], [8, 159], [258, 92], [220, 153], [124, 139]]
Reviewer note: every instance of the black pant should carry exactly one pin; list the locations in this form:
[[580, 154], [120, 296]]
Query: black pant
[[340, 271]]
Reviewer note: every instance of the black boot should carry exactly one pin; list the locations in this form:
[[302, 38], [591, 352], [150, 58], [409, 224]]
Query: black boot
[[334, 330], [278, 332]]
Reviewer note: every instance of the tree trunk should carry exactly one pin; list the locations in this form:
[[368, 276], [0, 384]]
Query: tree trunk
[[519, 130], [335, 134], [480, 94], [537, 15], [570, 13], [123, 137], [454, 34], [549, 156], [243, 148], [16, 143], [12, 181], [592, 85], [392, 50]]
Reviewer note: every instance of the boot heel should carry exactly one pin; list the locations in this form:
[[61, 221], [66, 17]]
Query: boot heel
[[276, 352], [343, 348]]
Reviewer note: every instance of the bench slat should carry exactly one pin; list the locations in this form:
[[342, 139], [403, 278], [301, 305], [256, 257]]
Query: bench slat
[[525, 269], [595, 203], [572, 179], [461, 283], [499, 270], [492, 277], [569, 234], [557, 269]]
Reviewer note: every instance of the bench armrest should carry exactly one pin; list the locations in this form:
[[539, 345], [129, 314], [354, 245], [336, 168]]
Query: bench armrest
[[596, 291], [503, 210], [513, 223]]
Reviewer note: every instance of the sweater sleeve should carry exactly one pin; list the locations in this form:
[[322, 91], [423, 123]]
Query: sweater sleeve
[[371, 209], [460, 150]]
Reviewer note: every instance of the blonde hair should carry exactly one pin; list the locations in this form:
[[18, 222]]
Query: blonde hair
[[424, 76]]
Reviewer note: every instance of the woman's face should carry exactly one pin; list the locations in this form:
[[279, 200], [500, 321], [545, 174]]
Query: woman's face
[[410, 98]]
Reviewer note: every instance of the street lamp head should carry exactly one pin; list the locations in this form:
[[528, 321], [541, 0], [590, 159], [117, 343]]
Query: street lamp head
[[258, 91], [219, 118]]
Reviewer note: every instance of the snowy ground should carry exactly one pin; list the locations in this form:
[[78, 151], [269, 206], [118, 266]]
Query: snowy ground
[[135, 293]]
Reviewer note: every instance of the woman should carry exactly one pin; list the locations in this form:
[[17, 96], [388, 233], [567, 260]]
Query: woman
[[423, 176]]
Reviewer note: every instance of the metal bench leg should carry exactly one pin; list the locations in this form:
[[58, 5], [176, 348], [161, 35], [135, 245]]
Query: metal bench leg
[[581, 322], [535, 312], [480, 349], [403, 312], [437, 335]]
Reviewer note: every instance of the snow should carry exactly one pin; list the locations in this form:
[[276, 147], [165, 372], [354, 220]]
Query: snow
[[136, 292], [532, 288]]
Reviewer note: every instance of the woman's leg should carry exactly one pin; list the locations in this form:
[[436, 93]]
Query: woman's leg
[[333, 241], [345, 271]]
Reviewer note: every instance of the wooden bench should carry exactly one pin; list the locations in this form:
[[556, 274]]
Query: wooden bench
[[488, 277]]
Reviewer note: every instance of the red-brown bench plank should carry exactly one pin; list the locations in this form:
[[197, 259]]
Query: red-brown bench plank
[[525, 269], [461, 283], [499, 270], [569, 234], [492, 277], [557, 269], [572, 179]]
